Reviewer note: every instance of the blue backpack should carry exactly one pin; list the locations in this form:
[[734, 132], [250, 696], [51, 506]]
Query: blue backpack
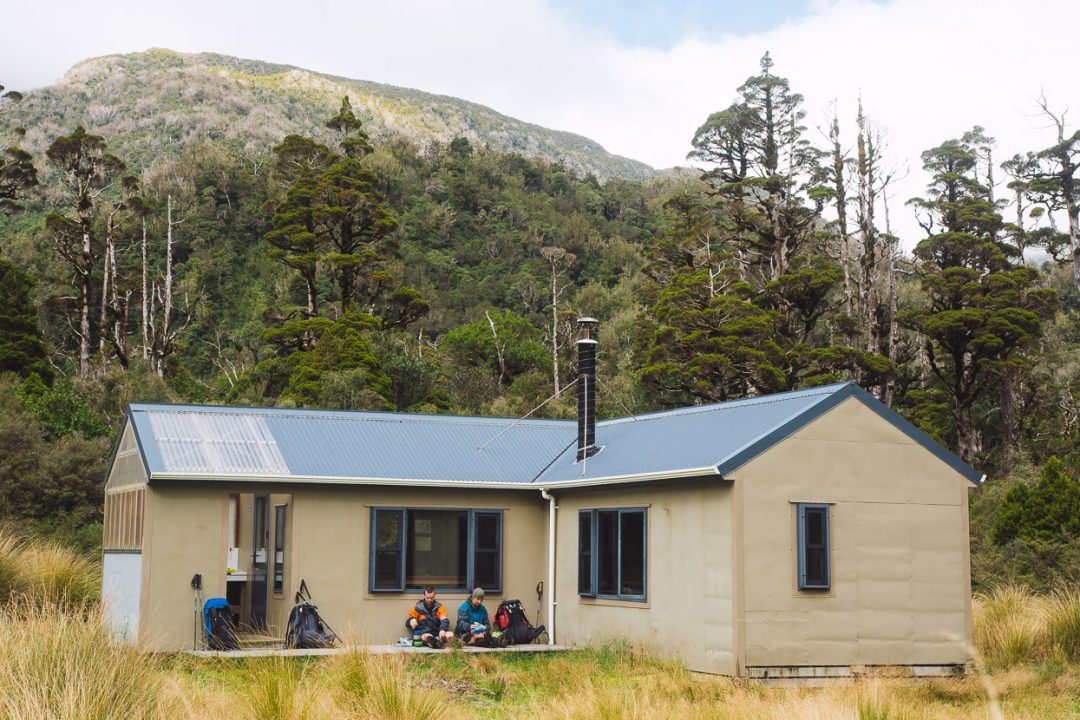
[[218, 622]]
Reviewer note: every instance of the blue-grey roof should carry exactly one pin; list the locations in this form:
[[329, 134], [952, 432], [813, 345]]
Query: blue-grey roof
[[719, 438], [180, 441]]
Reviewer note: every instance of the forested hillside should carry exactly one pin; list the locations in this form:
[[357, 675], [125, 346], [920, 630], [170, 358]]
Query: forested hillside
[[201, 229]]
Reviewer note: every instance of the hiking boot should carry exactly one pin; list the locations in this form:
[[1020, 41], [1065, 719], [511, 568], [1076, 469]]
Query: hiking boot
[[434, 643]]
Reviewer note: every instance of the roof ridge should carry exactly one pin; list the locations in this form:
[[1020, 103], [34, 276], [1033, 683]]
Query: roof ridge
[[350, 415], [731, 404]]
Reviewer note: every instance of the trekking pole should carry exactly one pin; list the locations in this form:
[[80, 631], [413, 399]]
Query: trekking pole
[[305, 591], [196, 586]]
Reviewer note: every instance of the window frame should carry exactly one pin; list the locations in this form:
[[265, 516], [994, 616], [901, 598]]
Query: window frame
[[802, 545], [470, 552], [594, 553], [281, 522]]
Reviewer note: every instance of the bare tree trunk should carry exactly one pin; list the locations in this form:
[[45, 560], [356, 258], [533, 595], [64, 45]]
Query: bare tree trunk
[[499, 349], [85, 270], [145, 300], [841, 211], [105, 277], [968, 439], [555, 256], [868, 266], [555, 327], [890, 382]]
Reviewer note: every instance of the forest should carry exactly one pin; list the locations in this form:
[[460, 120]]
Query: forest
[[347, 268]]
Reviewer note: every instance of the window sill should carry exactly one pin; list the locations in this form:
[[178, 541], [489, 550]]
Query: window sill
[[614, 602]]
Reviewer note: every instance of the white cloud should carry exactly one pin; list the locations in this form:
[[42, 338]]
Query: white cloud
[[927, 69]]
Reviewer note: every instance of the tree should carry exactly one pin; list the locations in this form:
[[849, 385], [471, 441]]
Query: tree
[[761, 165], [1048, 511], [85, 170], [982, 311], [293, 239], [332, 213], [21, 349], [558, 258], [1050, 178], [504, 343], [17, 171]]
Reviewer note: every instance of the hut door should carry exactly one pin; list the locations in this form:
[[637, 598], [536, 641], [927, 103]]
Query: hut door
[[259, 561]]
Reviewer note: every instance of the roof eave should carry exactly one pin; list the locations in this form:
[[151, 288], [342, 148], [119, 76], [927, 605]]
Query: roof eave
[[628, 479], [334, 480]]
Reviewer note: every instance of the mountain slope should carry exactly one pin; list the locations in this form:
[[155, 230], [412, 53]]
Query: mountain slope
[[158, 101]]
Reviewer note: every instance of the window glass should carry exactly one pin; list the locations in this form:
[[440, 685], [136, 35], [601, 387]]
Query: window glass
[[611, 553], [279, 549], [585, 541], [632, 553], [486, 570], [450, 549], [436, 549], [388, 550], [607, 537], [813, 547]]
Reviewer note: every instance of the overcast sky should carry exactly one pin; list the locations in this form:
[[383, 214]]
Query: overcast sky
[[638, 77]]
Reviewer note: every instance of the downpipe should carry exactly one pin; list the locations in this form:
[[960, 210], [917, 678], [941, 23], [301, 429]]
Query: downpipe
[[552, 508]]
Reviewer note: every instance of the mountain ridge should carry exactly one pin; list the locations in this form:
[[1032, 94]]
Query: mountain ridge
[[160, 99]]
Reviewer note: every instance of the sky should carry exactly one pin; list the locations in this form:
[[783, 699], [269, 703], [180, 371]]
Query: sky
[[638, 77]]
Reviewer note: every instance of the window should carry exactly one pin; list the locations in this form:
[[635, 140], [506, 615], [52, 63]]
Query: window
[[450, 549], [279, 549], [612, 553], [813, 539]]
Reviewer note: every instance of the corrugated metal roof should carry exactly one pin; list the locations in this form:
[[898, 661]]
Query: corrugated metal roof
[[203, 441], [685, 439], [278, 443]]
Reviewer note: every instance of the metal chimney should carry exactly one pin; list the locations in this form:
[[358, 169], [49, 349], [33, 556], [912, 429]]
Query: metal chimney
[[586, 390]]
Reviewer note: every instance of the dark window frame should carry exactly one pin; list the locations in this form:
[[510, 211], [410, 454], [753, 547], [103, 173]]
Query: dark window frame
[[402, 549], [804, 546], [281, 522], [592, 556]]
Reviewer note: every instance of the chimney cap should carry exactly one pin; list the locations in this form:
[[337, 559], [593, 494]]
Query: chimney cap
[[588, 328]]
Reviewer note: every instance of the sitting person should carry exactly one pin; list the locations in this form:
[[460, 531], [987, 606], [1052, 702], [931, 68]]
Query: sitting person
[[473, 625], [429, 621]]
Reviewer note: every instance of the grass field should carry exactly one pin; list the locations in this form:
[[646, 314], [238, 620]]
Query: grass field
[[58, 662]]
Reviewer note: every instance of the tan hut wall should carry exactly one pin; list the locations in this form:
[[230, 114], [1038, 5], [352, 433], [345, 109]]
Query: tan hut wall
[[901, 591], [328, 531], [688, 614]]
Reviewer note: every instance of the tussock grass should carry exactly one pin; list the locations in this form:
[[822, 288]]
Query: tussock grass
[[275, 688], [58, 661], [1013, 626], [59, 665], [47, 573], [12, 578]]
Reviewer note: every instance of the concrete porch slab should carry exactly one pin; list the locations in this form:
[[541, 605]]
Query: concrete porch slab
[[370, 649]]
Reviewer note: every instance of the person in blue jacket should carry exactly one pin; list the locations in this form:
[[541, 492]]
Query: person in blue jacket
[[473, 625]]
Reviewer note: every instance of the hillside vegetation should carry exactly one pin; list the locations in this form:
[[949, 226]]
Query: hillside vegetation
[[160, 101]]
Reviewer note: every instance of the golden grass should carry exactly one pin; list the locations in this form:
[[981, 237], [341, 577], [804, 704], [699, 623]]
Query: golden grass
[[60, 665], [46, 573], [1013, 626]]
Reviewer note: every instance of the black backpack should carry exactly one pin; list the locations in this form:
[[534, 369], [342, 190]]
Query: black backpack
[[511, 620], [306, 629], [220, 630]]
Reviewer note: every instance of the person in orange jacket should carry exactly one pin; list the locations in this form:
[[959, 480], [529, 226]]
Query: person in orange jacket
[[429, 620]]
